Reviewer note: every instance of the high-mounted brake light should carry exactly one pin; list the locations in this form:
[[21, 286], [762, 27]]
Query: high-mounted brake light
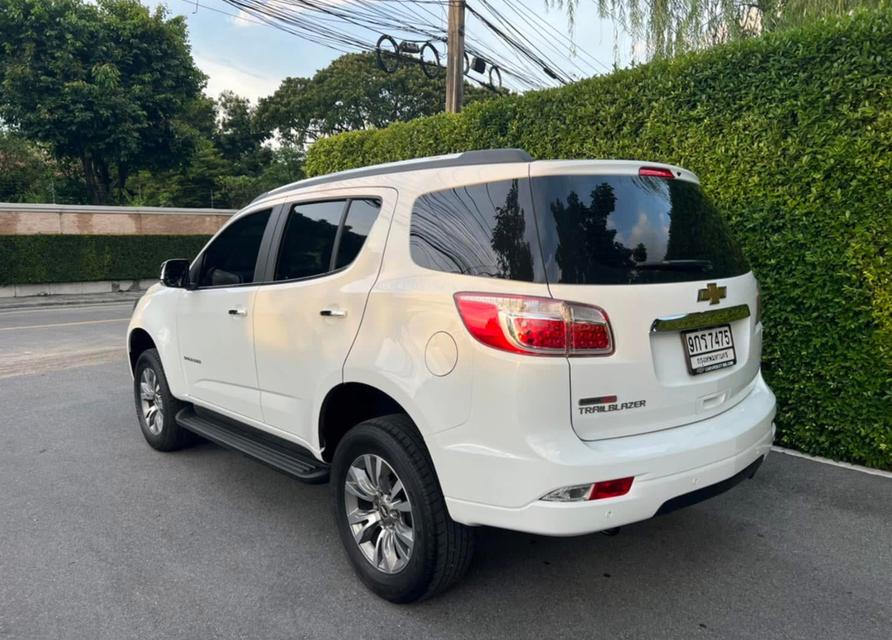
[[656, 172], [536, 326]]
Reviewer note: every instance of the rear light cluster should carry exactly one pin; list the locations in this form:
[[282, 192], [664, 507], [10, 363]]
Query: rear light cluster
[[594, 491], [536, 326]]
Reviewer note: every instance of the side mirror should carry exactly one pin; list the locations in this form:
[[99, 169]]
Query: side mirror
[[175, 273]]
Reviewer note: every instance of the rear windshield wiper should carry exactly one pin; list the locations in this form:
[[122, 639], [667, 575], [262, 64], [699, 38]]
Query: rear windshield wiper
[[676, 265]]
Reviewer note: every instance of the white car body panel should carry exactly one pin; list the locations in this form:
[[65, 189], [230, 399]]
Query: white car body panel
[[300, 354], [500, 427]]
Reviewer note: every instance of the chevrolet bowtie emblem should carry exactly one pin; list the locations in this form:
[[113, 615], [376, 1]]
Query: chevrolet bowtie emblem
[[712, 292]]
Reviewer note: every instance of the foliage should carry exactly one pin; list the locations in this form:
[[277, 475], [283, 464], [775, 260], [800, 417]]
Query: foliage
[[29, 174], [670, 28], [70, 258], [792, 136], [354, 93], [100, 83], [23, 169]]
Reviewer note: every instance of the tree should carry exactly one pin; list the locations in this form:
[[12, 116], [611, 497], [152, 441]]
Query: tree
[[240, 135], [670, 28], [104, 84], [353, 93]]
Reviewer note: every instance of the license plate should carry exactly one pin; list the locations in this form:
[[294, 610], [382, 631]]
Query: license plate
[[709, 349]]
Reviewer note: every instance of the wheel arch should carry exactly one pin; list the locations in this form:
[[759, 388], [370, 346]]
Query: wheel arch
[[349, 403], [138, 341]]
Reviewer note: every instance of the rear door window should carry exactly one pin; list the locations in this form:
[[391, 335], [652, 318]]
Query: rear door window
[[309, 239], [598, 229], [481, 230]]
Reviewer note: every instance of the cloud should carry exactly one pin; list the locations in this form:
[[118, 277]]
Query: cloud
[[223, 75], [244, 20]]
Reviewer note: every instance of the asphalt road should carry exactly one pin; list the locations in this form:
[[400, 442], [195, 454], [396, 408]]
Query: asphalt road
[[49, 338], [102, 537]]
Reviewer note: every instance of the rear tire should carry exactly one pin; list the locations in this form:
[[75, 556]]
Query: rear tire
[[156, 408], [398, 535]]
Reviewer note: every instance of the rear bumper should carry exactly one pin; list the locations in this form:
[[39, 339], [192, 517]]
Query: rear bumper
[[670, 467]]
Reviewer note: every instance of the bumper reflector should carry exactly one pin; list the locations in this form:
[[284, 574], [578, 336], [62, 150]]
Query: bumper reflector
[[594, 491]]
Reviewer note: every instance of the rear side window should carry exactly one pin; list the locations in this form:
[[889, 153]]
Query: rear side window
[[631, 229], [309, 239], [480, 230], [230, 259], [360, 218]]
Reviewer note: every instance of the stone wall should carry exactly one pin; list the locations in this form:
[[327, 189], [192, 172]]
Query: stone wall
[[45, 219]]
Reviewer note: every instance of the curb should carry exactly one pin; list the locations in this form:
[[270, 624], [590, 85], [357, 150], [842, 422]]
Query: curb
[[42, 302], [833, 463]]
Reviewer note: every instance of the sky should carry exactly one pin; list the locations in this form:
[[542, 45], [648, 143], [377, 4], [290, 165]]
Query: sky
[[252, 59]]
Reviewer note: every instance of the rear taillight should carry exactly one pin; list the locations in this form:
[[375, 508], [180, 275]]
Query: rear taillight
[[656, 172], [536, 326]]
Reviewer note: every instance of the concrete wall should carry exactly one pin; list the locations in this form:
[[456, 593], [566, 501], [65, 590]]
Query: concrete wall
[[43, 219]]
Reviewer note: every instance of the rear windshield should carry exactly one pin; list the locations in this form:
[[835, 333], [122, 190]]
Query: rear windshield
[[631, 230], [583, 229]]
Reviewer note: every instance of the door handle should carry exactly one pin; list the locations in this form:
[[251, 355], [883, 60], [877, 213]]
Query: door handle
[[333, 313], [238, 311]]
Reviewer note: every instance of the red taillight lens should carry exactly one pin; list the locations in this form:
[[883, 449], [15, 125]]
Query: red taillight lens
[[539, 333], [610, 488], [534, 325], [656, 172]]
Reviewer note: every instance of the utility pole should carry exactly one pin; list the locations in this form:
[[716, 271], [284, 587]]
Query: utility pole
[[455, 56]]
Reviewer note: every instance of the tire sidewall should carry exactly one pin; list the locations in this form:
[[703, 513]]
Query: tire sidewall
[[411, 582]]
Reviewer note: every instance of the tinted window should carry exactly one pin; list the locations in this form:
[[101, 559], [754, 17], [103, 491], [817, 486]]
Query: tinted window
[[309, 239], [230, 259], [360, 218], [631, 229], [481, 230]]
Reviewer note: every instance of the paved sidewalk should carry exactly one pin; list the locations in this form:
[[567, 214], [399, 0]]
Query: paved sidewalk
[[33, 302]]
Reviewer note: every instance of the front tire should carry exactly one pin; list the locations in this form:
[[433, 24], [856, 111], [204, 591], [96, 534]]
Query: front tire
[[391, 514], [156, 408]]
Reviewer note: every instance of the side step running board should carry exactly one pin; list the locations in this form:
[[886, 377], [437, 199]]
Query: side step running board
[[280, 454]]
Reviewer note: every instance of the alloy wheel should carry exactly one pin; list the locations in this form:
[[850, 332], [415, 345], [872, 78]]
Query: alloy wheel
[[150, 400], [379, 513]]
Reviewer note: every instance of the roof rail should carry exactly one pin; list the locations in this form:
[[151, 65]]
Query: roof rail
[[466, 158]]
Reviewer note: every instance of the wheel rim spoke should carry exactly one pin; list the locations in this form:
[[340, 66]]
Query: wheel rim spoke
[[367, 530], [404, 535], [359, 485], [396, 489]]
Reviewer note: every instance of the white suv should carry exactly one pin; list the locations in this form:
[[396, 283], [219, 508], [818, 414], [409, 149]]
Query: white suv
[[556, 347]]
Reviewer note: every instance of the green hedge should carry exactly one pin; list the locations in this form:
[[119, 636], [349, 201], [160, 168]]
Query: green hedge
[[64, 258], [792, 136]]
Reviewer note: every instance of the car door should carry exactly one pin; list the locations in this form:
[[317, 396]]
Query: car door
[[305, 322], [214, 320]]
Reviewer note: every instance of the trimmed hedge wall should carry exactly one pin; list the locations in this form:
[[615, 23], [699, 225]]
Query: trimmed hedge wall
[[70, 258], [791, 134]]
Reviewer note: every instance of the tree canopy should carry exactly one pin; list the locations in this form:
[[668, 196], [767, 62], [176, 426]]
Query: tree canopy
[[354, 93], [100, 83], [102, 102]]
